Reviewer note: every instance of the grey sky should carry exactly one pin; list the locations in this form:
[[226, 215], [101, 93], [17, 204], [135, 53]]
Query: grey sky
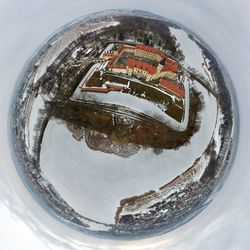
[[224, 25]]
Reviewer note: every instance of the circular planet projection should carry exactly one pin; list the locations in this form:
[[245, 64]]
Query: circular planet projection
[[123, 124]]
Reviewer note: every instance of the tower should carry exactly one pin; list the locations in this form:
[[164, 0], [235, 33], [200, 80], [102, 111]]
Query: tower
[[161, 64]]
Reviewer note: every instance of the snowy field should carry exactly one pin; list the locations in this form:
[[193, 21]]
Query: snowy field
[[92, 181], [193, 54], [133, 102], [61, 43], [34, 115]]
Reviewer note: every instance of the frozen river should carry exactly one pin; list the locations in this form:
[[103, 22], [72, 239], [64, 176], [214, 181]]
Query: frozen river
[[89, 180]]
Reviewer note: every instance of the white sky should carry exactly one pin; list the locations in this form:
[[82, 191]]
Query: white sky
[[224, 25]]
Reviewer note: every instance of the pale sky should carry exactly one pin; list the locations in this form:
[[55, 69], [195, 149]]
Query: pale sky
[[224, 25]]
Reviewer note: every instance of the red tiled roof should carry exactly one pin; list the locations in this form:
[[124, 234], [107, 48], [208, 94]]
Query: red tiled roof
[[111, 66], [95, 89], [151, 50], [171, 65], [115, 86], [141, 65], [111, 62], [172, 88]]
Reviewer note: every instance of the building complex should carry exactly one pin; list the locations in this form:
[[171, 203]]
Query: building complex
[[142, 62]]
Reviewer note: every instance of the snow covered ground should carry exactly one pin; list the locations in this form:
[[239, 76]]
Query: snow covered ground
[[186, 84], [217, 136], [193, 54], [75, 52], [62, 42], [89, 74], [93, 182], [31, 133], [108, 48], [133, 102]]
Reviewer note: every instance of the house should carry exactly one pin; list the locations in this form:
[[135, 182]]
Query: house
[[138, 64], [103, 89], [172, 88], [115, 86]]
